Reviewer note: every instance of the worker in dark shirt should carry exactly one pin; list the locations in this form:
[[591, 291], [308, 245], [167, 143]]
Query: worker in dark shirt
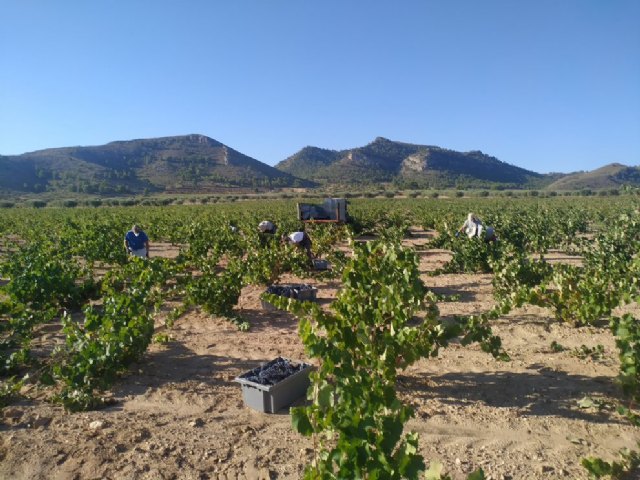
[[302, 240], [136, 242]]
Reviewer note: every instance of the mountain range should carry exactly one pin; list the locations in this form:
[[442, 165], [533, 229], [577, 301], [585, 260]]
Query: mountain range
[[198, 164]]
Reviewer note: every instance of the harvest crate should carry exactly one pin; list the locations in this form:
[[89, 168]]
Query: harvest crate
[[271, 398], [320, 264], [298, 291]]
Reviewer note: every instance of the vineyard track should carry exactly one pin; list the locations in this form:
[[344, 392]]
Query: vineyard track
[[180, 415]]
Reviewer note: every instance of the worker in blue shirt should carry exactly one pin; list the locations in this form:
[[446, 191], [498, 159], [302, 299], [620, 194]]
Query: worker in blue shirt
[[136, 242]]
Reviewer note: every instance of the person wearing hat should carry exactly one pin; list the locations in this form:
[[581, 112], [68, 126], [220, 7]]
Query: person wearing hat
[[473, 227], [136, 242], [267, 231], [300, 239]]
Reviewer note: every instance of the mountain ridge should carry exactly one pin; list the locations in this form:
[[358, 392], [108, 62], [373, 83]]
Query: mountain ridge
[[195, 163], [159, 164], [613, 175], [384, 160]]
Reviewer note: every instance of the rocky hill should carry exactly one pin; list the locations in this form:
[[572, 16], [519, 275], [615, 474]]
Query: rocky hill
[[182, 163], [614, 175], [384, 160]]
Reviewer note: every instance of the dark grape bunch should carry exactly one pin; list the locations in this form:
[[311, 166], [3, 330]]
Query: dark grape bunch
[[289, 291], [273, 372]]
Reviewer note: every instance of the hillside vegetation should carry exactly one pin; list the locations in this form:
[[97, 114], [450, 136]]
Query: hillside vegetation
[[410, 165], [609, 176], [196, 164], [190, 163]]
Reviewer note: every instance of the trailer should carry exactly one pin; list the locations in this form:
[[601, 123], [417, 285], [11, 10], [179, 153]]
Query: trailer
[[333, 210]]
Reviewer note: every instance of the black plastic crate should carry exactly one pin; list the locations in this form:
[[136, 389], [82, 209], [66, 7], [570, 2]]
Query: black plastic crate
[[298, 291]]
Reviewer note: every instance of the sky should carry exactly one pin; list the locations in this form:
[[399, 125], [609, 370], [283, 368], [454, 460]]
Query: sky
[[547, 85]]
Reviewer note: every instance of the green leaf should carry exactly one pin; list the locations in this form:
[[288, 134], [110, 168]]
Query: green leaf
[[300, 421], [325, 399], [434, 472]]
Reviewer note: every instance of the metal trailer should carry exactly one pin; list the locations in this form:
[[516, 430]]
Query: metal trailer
[[333, 210]]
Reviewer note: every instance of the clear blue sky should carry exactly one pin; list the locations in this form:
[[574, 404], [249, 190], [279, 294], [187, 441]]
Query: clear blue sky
[[548, 85]]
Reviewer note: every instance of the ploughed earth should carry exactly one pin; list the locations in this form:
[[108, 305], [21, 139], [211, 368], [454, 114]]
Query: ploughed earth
[[179, 414]]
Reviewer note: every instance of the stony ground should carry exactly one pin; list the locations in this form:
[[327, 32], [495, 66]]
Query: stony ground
[[180, 415]]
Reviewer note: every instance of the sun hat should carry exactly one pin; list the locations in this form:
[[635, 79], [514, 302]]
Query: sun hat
[[296, 237], [265, 226]]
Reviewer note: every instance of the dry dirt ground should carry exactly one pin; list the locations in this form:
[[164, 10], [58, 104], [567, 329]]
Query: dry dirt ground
[[180, 415]]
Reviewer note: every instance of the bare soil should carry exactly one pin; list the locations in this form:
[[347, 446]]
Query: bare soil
[[180, 415]]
